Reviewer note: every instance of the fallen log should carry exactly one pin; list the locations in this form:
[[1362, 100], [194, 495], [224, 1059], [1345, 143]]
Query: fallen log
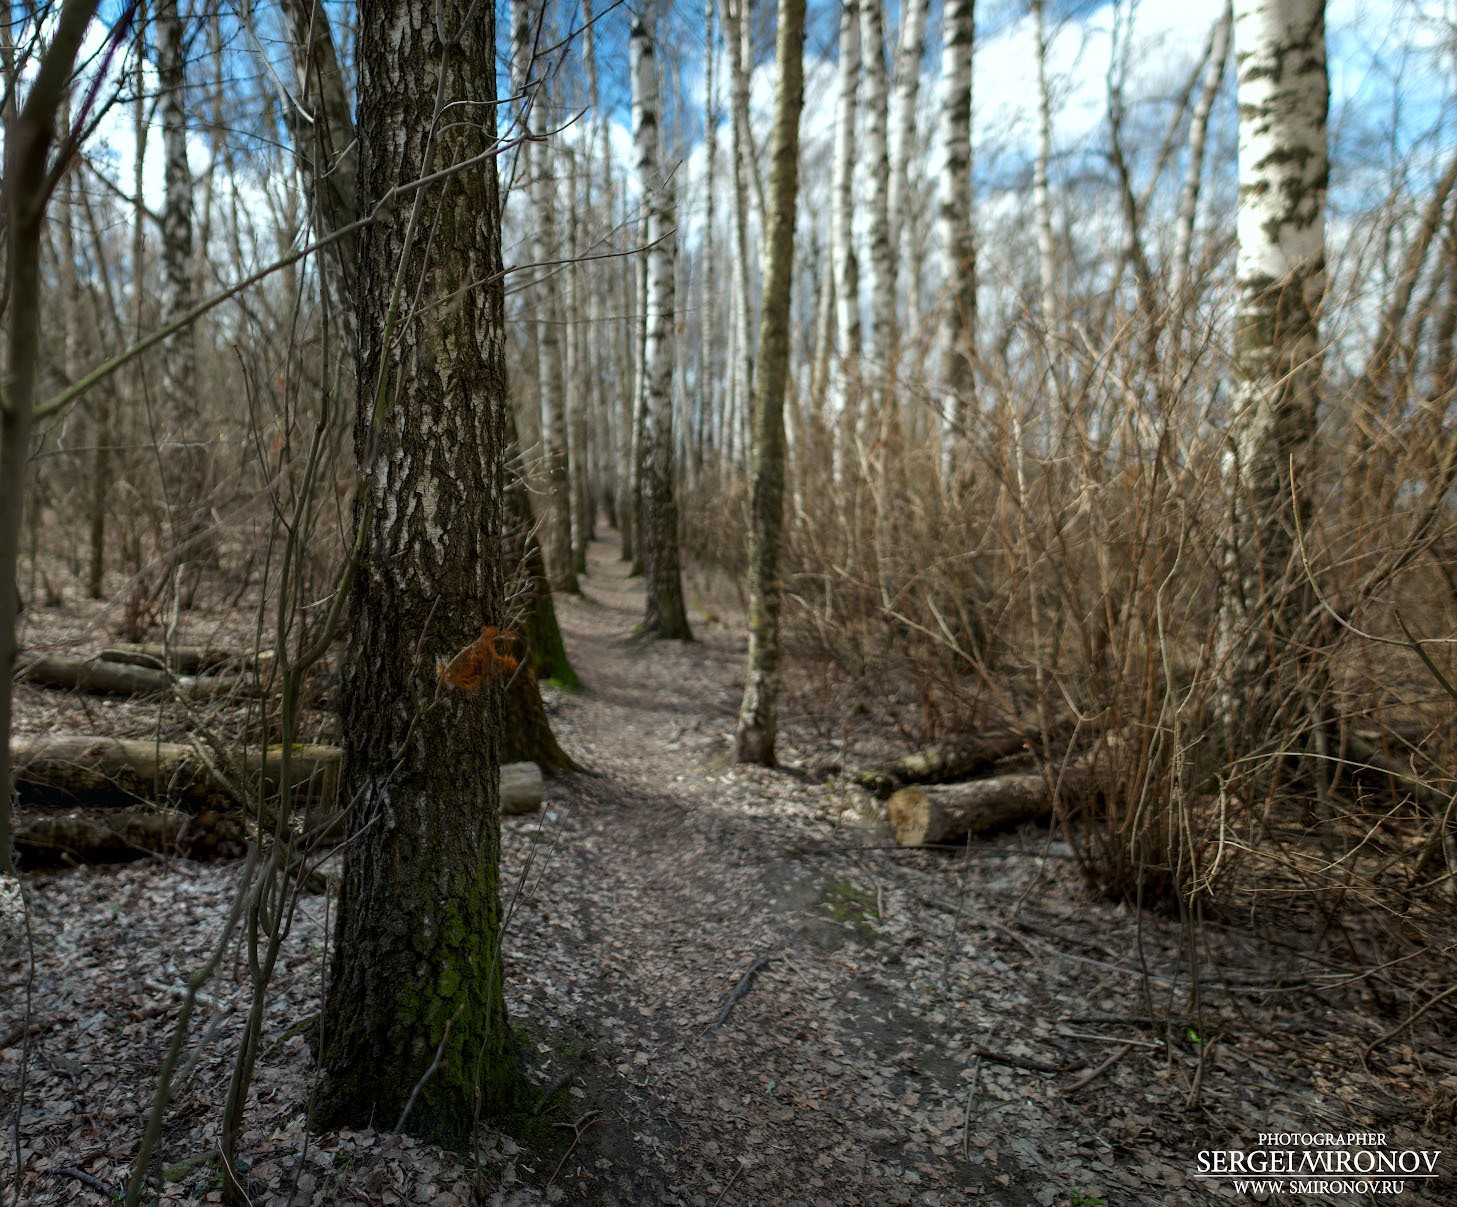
[[66, 770], [957, 759], [930, 815], [120, 678], [119, 835], [180, 659]]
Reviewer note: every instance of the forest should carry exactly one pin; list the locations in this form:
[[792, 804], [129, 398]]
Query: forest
[[764, 603]]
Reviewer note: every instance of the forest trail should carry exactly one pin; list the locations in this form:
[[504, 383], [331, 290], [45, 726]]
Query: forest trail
[[678, 889], [888, 1037]]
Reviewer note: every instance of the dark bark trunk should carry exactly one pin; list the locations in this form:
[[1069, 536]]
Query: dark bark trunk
[[415, 1032]]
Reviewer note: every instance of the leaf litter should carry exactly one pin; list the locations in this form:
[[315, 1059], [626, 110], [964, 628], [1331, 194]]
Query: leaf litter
[[729, 987]]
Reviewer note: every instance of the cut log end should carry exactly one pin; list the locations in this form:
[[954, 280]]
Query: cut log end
[[922, 816]]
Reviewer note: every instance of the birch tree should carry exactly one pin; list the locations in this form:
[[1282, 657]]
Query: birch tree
[[737, 16], [842, 221], [758, 713], [875, 162], [1215, 63], [547, 306], [899, 204], [1280, 268], [414, 1022], [665, 615], [184, 449], [1041, 193], [955, 238], [708, 383]]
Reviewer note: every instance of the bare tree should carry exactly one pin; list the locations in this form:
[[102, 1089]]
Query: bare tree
[[842, 223], [547, 307], [737, 19], [1283, 94], [1216, 60], [899, 205], [415, 1023], [758, 713], [955, 235], [29, 183], [185, 448], [875, 170], [665, 615], [1041, 191]]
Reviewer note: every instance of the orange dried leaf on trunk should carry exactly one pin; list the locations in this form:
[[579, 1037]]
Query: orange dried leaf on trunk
[[489, 656]]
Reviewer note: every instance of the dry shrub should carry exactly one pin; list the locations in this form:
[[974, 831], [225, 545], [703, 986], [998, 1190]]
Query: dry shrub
[[1067, 577]]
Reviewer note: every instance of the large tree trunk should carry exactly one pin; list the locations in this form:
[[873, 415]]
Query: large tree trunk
[[525, 719], [67, 770], [127, 834], [1283, 92], [29, 135], [665, 615], [114, 833], [952, 760], [414, 1021], [757, 727]]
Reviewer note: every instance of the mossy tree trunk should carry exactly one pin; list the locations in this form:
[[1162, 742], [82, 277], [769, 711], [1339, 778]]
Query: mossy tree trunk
[[415, 1021], [758, 714]]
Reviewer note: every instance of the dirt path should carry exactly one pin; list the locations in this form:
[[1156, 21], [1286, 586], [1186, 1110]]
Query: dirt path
[[745, 996], [906, 1027]]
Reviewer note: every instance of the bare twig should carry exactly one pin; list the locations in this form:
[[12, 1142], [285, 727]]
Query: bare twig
[[1092, 1075]]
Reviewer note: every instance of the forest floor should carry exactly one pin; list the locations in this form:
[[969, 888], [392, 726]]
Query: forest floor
[[743, 992]]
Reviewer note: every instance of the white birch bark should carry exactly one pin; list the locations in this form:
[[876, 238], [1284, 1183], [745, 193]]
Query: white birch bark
[[1280, 269], [736, 18], [541, 186], [1041, 196], [1198, 139], [875, 160], [955, 236], [843, 388], [900, 206], [709, 386], [665, 615], [183, 447]]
